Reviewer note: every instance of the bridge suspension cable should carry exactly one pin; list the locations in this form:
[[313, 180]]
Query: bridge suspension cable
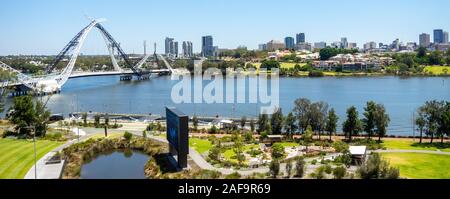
[[53, 84]]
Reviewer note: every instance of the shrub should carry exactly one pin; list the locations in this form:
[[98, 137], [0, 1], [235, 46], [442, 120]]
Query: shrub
[[328, 169], [248, 137], [214, 153], [339, 172], [277, 151], [314, 162], [340, 146], [377, 168], [144, 134], [274, 168], [127, 135], [315, 74], [213, 130], [319, 173], [288, 169], [234, 175], [299, 167]]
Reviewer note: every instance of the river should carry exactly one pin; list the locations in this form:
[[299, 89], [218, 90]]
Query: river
[[401, 96]]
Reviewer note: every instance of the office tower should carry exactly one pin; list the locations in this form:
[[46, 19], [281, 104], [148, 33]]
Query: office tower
[[175, 48], [438, 36], [275, 45], [445, 37], [187, 49], [145, 47], [207, 46], [320, 45], [344, 42], [289, 42], [370, 45], [300, 38], [262, 47], [168, 46], [424, 40]]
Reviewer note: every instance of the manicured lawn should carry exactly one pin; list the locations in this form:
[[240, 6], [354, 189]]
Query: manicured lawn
[[437, 70], [289, 144], [229, 154], [200, 145], [420, 166], [17, 156], [411, 145], [110, 135]]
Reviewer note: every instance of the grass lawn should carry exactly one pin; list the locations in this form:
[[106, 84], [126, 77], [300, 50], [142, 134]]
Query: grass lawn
[[200, 145], [420, 166], [289, 144], [17, 156], [110, 135], [411, 145], [229, 154], [437, 70]]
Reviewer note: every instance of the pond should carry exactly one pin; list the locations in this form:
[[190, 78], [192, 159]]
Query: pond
[[120, 164]]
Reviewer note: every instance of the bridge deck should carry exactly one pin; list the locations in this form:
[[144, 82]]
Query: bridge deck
[[103, 73]]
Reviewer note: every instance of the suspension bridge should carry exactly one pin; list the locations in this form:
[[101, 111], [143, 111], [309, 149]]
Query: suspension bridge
[[52, 82]]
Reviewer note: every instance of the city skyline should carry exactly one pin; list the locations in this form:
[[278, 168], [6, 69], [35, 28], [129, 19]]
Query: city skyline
[[63, 21]]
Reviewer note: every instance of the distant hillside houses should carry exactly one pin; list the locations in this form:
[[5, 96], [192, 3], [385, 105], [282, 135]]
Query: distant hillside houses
[[302, 54], [357, 61]]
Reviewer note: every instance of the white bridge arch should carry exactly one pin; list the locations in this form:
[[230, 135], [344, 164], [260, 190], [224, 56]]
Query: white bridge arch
[[53, 83]]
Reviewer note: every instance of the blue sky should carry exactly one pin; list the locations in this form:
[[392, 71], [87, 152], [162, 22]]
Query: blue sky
[[45, 26]]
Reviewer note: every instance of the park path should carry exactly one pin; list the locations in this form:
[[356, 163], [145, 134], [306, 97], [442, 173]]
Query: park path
[[50, 171]]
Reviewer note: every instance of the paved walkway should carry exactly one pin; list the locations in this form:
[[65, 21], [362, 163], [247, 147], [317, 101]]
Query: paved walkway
[[50, 171]]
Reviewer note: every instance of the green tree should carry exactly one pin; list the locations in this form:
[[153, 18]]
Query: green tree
[[277, 151], [274, 168], [368, 121], [435, 58], [381, 121], [243, 121], [41, 118], [301, 111], [421, 121], [106, 120], [23, 114], [421, 52], [307, 137], [96, 120], [317, 116], [331, 122], [195, 122], [289, 125], [352, 126], [269, 64], [252, 126], [84, 117], [262, 122], [276, 121], [300, 165], [288, 169], [443, 122], [214, 153], [238, 148]]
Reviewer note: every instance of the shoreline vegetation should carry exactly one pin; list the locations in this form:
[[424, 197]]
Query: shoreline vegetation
[[157, 167]]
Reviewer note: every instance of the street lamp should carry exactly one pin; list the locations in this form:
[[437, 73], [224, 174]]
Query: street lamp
[[33, 131]]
